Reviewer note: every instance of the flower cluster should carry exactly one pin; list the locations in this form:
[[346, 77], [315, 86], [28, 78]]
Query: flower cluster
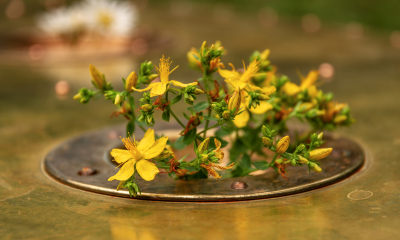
[[97, 18], [248, 107]]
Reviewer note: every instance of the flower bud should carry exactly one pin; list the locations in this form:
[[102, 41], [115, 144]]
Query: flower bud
[[304, 107], [147, 107], [265, 131], [254, 104], [263, 96], [198, 91], [141, 118], [282, 145], [189, 99], [131, 81], [226, 114], [164, 154], [320, 153], [118, 99], [77, 96], [320, 136], [193, 62], [302, 159], [153, 76], [235, 100], [340, 119], [149, 120], [203, 47], [264, 55], [267, 141], [314, 167], [97, 77]]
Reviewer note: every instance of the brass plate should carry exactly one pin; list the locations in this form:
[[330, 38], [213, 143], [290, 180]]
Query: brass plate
[[92, 150]]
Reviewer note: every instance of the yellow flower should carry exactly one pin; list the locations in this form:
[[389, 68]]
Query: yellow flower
[[331, 110], [306, 83], [243, 82], [139, 154], [208, 165], [159, 88]]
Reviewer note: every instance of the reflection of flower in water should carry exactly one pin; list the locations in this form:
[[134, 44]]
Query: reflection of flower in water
[[94, 17], [110, 18]]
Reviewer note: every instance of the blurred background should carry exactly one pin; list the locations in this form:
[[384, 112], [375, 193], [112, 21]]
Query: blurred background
[[46, 47]]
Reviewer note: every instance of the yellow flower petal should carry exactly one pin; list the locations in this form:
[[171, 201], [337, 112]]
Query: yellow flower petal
[[210, 171], [229, 74], [222, 167], [236, 83], [147, 141], [158, 89], [203, 145], [179, 84], [262, 108], [312, 91], [151, 85], [309, 80], [217, 144], [242, 119], [125, 172], [291, 89], [147, 170], [269, 90], [121, 156], [156, 148]]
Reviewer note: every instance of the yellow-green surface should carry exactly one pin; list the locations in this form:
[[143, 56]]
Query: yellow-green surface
[[33, 121]]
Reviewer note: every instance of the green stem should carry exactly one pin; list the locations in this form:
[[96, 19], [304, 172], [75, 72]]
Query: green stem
[[133, 116], [205, 76], [206, 129], [273, 160], [176, 118], [172, 113]]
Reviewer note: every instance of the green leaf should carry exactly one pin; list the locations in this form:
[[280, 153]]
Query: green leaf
[[178, 144], [198, 107], [130, 128], [226, 129], [245, 162], [186, 116], [261, 165], [204, 171], [190, 136], [166, 115], [176, 99], [237, 149], [220, 133], [211, 118]]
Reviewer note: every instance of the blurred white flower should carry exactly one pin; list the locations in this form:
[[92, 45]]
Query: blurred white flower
[[63, 21], [107, 18], [110, 18]]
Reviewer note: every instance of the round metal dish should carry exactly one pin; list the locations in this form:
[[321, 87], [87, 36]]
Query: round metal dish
[[92, 150]]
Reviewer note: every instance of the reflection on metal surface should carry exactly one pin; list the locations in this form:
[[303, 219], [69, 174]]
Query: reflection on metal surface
[[91, 149]]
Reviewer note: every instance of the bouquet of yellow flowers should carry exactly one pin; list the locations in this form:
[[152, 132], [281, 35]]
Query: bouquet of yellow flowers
[[249, 108]]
